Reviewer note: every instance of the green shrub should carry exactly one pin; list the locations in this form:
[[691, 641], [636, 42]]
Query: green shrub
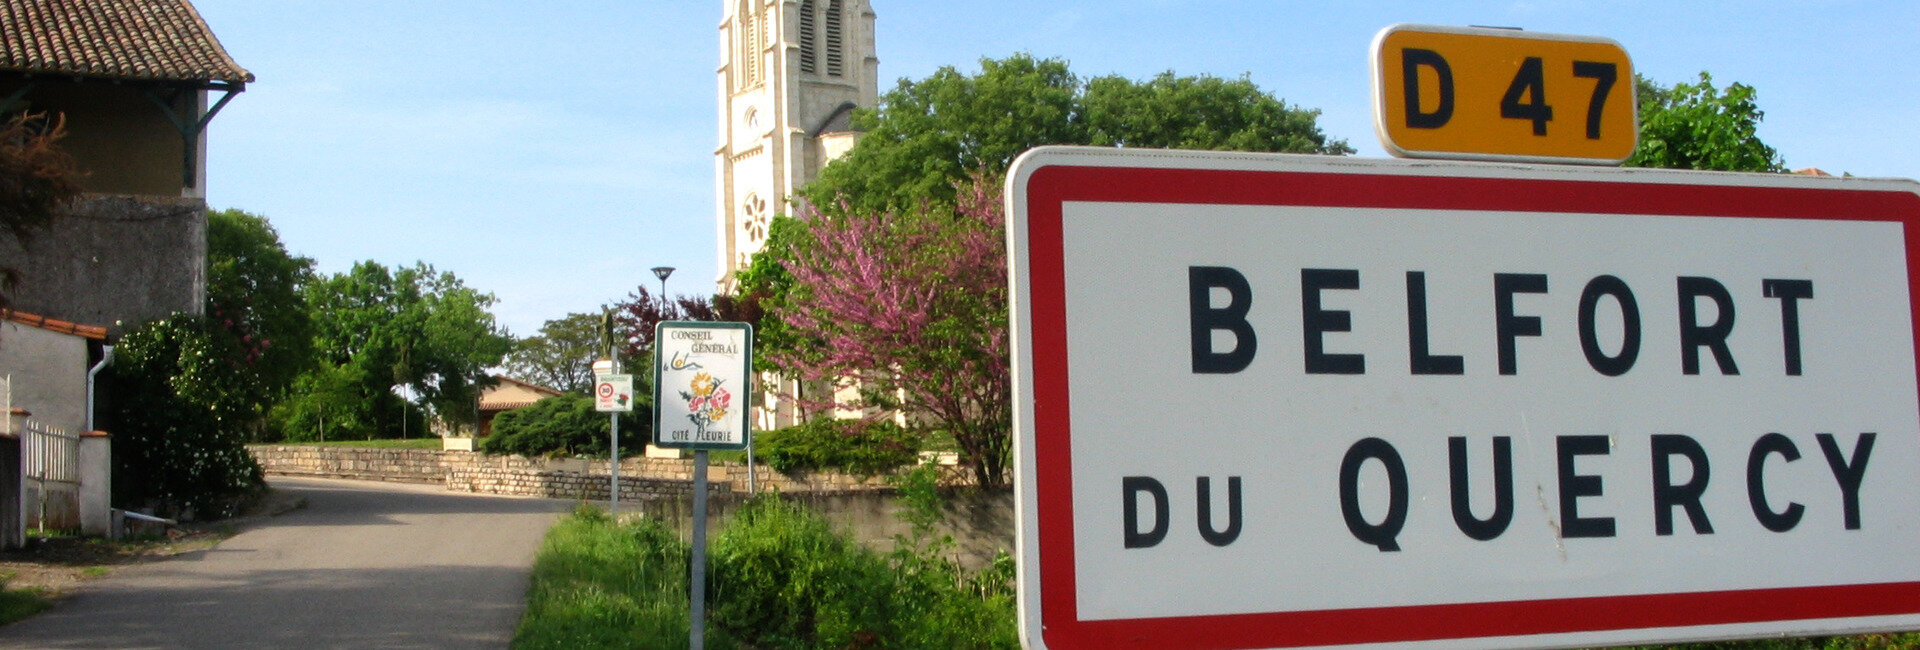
[[949, 606], [180, 422], [852, 446], [563, 425], [783, 578], [779, 577], [597, 584]]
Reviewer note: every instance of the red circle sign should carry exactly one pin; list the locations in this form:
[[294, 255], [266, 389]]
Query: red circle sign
[[605, 389]]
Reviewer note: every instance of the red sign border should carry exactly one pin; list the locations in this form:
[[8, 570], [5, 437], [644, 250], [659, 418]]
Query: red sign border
[[1049, 186]]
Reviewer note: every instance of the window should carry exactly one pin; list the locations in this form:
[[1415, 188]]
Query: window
[[754, 217]]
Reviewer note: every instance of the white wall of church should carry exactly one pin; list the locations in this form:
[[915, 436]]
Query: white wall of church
[[787, 67]]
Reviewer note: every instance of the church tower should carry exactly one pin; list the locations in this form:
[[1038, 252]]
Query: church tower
[[791, 73]]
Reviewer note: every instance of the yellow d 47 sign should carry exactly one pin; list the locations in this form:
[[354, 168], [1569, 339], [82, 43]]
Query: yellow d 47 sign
[[1502, 94]]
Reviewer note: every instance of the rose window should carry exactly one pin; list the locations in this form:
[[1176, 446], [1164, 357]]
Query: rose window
[[754, 211]]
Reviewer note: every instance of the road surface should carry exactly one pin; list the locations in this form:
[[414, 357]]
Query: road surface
[[364, 565]]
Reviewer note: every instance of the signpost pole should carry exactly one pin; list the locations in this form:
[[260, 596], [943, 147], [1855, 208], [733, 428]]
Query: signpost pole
[[613, 426], [613, 416], [697, 574], [613, 467]]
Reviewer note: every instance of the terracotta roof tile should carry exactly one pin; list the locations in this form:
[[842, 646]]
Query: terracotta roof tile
[[492, 400], [52, 325], [147, 40], [506, 406]]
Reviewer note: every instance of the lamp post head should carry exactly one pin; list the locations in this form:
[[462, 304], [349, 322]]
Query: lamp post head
[[662, 272]]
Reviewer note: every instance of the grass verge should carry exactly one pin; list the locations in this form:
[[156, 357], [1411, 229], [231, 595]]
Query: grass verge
[[16, 604], [602, 584], [779, 577]]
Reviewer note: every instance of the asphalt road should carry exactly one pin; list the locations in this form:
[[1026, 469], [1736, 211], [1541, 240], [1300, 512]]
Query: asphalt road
[[364, 565]]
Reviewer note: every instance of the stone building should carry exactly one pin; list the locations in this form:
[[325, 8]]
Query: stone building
[[136, 82]]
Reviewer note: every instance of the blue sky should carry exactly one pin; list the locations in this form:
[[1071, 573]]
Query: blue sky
[[552, 152]]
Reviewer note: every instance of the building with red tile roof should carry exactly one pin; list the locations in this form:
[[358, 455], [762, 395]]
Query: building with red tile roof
[[136, 82]]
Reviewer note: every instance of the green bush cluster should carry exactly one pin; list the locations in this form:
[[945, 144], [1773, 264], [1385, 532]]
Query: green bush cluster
[[852, 446], [562, 425], [180, 422], [783, 578], [779, 577]]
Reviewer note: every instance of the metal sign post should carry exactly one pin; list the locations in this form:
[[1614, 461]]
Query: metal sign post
[[613, 465], [613, 394], [697, 572], [703, 363]]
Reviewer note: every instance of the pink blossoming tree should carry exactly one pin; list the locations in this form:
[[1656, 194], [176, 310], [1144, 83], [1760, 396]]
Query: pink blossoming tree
[[910, 308]]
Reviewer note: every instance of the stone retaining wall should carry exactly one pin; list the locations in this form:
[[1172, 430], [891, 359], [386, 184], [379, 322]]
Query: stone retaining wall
[[981, 523], [583, 478]]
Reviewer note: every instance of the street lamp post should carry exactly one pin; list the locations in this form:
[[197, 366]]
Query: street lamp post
[[662, 272]]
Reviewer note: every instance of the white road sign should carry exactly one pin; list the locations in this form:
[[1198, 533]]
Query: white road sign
[[1283, 401], [703, 375], [613, 393]]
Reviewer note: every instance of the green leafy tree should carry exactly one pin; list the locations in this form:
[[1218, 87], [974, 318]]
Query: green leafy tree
[[561, 355], [1204, 112], [254, 299], [417, 328], [328, 404], [1697, 126], [764, 287], [930, 134]]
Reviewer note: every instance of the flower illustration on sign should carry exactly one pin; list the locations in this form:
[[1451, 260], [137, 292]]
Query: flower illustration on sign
[[708, 402]]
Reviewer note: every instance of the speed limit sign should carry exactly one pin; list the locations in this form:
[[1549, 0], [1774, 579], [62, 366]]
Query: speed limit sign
[[613, 393]]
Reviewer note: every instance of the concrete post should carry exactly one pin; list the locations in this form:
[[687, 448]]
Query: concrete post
[[96, 483]]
